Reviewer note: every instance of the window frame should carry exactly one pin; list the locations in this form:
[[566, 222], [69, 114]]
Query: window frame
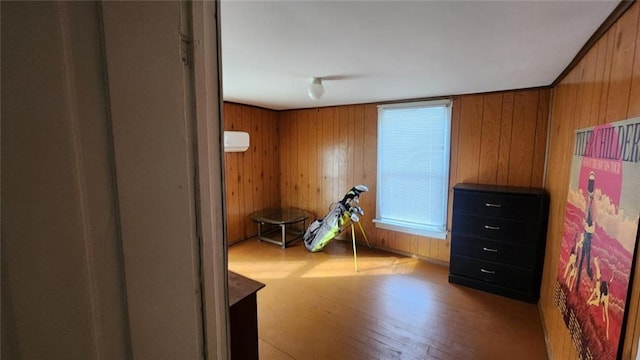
[[407, 227]]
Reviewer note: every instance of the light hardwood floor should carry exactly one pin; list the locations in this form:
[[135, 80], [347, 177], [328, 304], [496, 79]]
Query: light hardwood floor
[[315, 306]]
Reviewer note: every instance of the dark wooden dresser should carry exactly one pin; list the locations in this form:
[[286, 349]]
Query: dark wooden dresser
[[243, 316], [498, 239]]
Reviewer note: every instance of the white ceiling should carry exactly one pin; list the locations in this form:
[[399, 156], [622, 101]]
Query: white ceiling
[[389, 50]]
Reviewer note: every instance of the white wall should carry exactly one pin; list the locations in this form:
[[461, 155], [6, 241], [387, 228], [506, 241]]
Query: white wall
[[62, 266]]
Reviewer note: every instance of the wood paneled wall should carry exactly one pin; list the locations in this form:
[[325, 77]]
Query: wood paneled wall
[[604, 87], [252, 177], [326, 151], [497, 138]]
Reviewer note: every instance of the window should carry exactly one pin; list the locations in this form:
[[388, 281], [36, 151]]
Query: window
[[413, 167]]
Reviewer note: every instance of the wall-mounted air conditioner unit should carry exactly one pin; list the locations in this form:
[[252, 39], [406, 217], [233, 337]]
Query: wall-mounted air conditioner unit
[[236, 141]]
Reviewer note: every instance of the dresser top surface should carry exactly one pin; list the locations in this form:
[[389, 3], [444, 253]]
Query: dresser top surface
[[500, 188]]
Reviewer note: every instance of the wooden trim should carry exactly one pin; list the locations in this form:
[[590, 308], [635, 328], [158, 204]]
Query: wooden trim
[[545, 331], [608, 22], [209, 157], [431, 98], [253, 106]]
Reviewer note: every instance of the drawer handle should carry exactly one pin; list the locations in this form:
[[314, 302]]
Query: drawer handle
[[487, 271], [493, 205], [490, 250], [489, 227]]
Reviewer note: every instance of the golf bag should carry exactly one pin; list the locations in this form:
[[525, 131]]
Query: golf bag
[[321, 231]]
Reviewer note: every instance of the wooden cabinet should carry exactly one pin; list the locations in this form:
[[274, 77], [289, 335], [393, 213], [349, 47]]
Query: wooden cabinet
[[243, 317], [498, 239]]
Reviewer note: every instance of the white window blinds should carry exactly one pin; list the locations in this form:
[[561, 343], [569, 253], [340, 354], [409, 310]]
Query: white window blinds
[[413, 167]]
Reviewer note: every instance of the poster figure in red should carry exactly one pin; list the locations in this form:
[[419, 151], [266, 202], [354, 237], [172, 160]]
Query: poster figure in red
[[599, 237]]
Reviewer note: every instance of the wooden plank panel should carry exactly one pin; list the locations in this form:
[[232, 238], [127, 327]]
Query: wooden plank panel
[[588, 87], [247, 192], [272, 156], [287, 146], [469, 141], [434, 248], [490, 138], [506, 122], [403, 242], [540, 144], [359, 147], [258, 162], [634, 93], [424, 246], [548, 282], [266, 133], [232, 183], [351, 146], [420, 245], [561, 171], [386, 238], [523, 133], [303, 160], [312, 175], [444, 250], [600, 49], [622, 64], [239, 181], [327, 156], [547, 301], [370, 114], [580, 87], [608, 59], [272, 160], [283, 150], [321, 206], [338, 193], [231, 209], [294, 154], [342, 142], [413, 249], [291, 160], [322, 161], [454, 144]]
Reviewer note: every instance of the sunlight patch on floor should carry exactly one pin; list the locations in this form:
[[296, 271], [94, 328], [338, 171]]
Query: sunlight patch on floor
[[366, 266], [267, 269], [334, 267]]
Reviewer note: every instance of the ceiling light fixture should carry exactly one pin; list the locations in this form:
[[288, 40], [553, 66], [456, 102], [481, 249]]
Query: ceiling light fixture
[[315, 88]]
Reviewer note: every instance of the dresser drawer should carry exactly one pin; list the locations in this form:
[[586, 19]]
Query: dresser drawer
[[496, 251], [519, 232], [491, 272], [518, 207]]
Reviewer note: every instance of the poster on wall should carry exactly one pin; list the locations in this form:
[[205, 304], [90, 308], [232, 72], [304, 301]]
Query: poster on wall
[[599, 237]]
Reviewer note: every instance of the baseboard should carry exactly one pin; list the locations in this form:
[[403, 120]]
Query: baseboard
[[547, 342]]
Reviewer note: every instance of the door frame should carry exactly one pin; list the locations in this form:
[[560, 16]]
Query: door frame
[[207, 80]]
